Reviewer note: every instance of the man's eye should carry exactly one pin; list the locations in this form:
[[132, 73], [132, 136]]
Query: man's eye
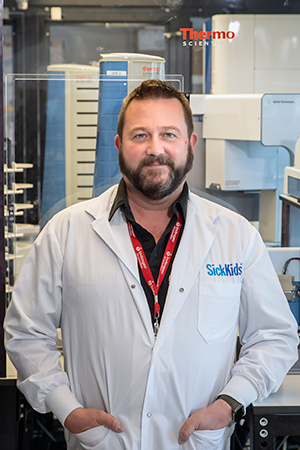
[[169, 135], [140, 136]]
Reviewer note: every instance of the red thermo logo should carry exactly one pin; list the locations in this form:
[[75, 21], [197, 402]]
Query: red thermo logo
[[189, 33]]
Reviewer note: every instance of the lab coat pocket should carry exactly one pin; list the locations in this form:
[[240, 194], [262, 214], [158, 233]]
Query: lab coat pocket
[[207, 439], [218, 310], [91, 438]]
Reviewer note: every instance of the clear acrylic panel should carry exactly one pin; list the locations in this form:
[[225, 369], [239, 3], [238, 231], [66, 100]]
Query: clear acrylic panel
[[66, 153]]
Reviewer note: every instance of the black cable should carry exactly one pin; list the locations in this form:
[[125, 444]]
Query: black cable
[[47, 432], [237, 440], [282, 442], [284, 269]]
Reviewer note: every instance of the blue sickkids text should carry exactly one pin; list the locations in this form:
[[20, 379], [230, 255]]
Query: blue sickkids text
[[228, 270]]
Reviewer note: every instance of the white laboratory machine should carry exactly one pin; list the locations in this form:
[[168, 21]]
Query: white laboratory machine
[[250, 139], [292, 179]]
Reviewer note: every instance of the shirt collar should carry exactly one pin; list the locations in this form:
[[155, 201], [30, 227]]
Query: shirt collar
[[121, 199]]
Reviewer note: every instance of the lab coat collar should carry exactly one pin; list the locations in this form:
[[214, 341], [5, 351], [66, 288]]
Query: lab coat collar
[[198, 236], [113, 232]]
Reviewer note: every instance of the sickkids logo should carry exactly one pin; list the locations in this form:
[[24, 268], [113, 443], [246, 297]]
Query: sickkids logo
[[201, 38], [227, 270]]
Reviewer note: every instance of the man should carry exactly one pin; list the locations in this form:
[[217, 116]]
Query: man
[[150, 285]]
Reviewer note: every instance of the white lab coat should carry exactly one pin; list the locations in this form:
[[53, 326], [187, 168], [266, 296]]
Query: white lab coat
[[82, 274]]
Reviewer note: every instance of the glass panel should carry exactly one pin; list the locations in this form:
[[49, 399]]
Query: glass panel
[[83, 43], [73, 156]]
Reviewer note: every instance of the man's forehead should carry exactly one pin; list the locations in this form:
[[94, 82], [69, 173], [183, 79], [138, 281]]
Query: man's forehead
[[173, 105], [167, 101]]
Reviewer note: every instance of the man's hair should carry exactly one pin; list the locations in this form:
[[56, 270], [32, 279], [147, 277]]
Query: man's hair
[[152, 89]]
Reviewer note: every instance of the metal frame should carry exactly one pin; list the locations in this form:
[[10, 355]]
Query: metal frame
[[2, 243]]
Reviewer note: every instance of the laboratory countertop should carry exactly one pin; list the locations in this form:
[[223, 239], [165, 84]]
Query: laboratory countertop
[[287, 395]]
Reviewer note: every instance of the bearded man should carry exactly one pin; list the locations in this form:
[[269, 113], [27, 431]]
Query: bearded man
[[150, 285]]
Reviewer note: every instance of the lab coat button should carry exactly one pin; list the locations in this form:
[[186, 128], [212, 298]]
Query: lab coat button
[[149, 414], [132, 286], [181, 289]]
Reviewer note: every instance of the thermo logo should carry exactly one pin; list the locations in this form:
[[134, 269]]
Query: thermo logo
[[151, 69], [227, 270], [191, 37], [206, 34]]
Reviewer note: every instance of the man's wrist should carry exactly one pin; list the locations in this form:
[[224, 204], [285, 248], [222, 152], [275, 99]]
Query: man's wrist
[[61, 401], [237, 409], [225, 409]]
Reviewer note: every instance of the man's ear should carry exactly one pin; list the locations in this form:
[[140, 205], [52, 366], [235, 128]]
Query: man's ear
[[193, 140], [117, 142]]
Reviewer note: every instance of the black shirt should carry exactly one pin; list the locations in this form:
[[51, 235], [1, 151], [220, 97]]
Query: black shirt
[[154, 252]]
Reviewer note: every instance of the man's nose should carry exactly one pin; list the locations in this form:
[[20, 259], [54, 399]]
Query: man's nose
[[155, 146]]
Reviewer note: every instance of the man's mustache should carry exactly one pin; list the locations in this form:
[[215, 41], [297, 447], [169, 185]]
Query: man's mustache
[[160, 159]]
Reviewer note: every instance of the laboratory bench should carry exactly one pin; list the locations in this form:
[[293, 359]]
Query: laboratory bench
[[276, 418]]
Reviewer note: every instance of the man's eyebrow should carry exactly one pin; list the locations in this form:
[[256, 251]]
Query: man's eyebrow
[[138, 129], [172, 127], [165, 127]]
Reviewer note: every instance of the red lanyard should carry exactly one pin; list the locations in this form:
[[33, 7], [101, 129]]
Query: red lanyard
[[146, 271]]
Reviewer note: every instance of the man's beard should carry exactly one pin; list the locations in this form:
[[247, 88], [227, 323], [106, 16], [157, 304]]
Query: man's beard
[[148, 184]]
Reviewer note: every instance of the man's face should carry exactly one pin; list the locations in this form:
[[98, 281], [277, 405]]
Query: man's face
[[156, 154]]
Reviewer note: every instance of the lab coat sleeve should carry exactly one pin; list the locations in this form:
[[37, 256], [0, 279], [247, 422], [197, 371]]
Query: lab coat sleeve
[[31, 326], [267, 330]]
